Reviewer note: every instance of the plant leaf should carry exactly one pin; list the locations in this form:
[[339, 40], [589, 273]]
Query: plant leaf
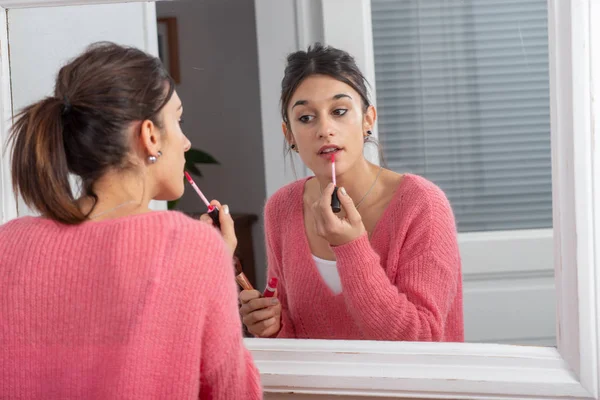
[[192, 169], [196, 156]]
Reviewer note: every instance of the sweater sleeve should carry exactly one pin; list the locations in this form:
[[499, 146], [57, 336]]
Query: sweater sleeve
[[227, 370], [273, 237], [415, 306]]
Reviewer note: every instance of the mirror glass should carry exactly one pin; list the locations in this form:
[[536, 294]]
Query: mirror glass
[[461, 90]]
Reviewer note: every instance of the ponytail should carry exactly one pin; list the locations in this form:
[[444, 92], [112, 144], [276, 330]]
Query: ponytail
[[40, 171]]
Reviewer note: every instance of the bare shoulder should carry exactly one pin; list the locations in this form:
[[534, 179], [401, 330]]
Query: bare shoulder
[[389, 183], [391, 180]]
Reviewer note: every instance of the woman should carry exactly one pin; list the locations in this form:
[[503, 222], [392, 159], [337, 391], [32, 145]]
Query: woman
[[387, 267], [100, 297]]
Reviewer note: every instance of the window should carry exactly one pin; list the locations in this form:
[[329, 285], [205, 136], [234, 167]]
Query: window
[[463, 100]]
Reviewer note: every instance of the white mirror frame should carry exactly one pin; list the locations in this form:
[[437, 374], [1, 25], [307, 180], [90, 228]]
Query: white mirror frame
[[8, 4], [462, 371], [8, 205]]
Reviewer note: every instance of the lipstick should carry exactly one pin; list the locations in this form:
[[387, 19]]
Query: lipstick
[[335, 200], [271, 287], [213, 211]]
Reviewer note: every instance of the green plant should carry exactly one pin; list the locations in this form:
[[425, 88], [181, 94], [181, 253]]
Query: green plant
[[192, 158]]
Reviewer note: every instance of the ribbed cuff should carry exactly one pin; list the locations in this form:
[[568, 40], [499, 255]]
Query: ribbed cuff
[[356, 256]]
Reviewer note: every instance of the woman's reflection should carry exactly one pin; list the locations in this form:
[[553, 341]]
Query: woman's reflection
[[387, 266]]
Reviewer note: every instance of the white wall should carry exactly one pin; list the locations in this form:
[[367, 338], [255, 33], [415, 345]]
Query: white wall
[[277, 36], [35, 63], [222, 105]]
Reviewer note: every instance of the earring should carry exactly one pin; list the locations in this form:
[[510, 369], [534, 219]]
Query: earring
[[153, 159], [293, 147], [369, 133]]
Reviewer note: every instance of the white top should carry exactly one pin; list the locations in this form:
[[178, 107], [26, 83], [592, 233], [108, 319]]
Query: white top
[[329, 273]]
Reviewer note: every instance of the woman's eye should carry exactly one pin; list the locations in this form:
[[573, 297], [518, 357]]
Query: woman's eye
[[305, 118], [340, 111]]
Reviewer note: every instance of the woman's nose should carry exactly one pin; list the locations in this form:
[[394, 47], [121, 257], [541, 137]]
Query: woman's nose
[[325, 128]]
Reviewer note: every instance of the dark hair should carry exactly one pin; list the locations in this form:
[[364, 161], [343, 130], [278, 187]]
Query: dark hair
[[81, 129], [320, 60]]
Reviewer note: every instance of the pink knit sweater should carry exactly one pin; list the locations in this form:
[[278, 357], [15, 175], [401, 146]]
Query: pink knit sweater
[[140, 307], [404, 283]]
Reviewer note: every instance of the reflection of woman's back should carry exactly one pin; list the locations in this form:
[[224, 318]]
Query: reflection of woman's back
[[387, 267], [100, 297]]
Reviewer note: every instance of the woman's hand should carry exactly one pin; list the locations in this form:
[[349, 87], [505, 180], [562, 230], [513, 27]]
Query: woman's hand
[[337, 231], [261, 315], [227, 227]]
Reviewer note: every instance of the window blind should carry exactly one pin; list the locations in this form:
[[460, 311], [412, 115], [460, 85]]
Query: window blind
[[463, 100]]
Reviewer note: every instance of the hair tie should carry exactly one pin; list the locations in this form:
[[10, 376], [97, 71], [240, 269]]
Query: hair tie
[[66, 105]]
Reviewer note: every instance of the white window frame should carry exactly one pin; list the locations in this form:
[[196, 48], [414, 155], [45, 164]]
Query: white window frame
[[471, 371]]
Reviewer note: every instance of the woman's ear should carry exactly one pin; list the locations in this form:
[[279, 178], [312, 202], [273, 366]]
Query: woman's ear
[[287, 134], [369, 118], [149, 137]]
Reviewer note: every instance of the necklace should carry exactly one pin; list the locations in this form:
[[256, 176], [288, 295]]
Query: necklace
[[111, 209], [368, 191]]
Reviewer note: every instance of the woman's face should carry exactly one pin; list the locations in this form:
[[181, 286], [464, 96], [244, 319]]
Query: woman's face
[[327, 116], [169, 168]]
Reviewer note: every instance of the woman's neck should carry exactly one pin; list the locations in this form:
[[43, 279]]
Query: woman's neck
[[118, 195], [356, 180]]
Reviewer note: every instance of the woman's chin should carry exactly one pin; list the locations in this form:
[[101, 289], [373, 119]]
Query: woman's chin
[[169, 195]]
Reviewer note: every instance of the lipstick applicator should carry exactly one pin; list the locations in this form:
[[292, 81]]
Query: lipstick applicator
[[213, 211], [335, 200]]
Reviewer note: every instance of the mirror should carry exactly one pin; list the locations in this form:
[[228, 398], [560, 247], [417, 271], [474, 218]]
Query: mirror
[[302, 369], [506, 262], [462, 94]]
